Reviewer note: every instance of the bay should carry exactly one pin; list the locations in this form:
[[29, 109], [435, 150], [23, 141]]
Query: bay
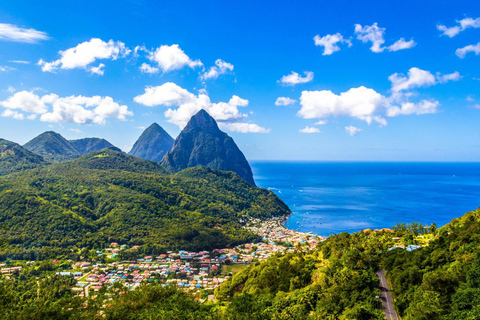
[[333, 197]]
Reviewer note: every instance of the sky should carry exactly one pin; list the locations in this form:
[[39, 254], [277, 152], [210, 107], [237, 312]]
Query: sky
[[288, 80]]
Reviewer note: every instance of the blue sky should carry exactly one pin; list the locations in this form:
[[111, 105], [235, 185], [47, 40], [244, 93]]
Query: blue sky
[[374, 81]]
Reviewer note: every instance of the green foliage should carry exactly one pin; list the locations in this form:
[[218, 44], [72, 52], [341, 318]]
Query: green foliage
[[14, 158], [93, 201], [53, 147], [300, 285], [440, 281], [30, 296]]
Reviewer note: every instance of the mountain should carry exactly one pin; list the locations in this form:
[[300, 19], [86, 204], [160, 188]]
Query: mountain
[[201, 143], [88, 145], [52, 146], [14, 157], [108, 196], [153, 144]]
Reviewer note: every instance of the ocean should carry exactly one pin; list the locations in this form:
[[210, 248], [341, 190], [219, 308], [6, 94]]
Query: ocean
[[333, 197]]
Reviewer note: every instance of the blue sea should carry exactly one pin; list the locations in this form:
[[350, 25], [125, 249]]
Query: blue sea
[[333, 197]]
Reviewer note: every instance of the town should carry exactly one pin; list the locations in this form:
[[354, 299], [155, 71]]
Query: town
[[193, 271]]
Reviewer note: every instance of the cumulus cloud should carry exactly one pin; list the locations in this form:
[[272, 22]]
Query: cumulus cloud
[[98, 70], [294, 78], [170, 58], [402, 45], [188, 104], [10, 32], [284, 101], [372, 107], [330, 43], [308, 129], [243, 127], [221, 67], [351, 130], [407, 108], [360, 103], [73, 109], [416, 78], [375, 35], [462, 25], [462, 52], [86, 53], [12, 114], [25, 101], [146, 68]]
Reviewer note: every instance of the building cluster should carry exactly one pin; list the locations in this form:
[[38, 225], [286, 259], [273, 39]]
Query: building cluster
[[185, 269]]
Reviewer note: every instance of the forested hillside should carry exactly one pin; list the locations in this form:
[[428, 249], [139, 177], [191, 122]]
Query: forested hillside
[[108, 196], [441, 281]]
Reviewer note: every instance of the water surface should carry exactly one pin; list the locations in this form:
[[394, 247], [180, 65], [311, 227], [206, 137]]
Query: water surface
[[332, 197]]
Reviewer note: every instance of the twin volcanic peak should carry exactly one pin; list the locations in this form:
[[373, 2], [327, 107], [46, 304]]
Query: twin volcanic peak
[[202, 143], [153, 144], [52, 146]]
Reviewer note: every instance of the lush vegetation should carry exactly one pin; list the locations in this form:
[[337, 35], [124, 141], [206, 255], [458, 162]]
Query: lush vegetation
[[336, 281], [86, 203], [40, 294], [14, 158], [53, 147], [441, 281]]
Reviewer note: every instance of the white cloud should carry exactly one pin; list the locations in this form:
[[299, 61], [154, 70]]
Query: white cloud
[[359, 103], [171, 95], [463, 25], [462, 52], [10, 32], [85, 54], [73, 109], [294, 78], [98, 70], [407, 108], [146, 68], [374, 34], [443, 78], [330, 43], [416, 78], [243, 127], [284, 101], [75, 130], [321, 122], [20, 61], [308, 129], [6, 68], [170, 58], [351, 130], [402, 45], [221, 67], [25, 101], [12, 114]]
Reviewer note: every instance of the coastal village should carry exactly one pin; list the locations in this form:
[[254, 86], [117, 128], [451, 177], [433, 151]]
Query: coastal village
[[204, 270], [192, 271]]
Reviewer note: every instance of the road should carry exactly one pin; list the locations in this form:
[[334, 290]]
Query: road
[[386, 297]]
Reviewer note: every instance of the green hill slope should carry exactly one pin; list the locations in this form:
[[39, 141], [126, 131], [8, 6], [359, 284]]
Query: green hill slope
[[108, 196], [52, 146], [14, 158], [87, 145]]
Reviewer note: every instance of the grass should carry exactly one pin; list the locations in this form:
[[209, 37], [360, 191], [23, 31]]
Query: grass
[[233, 268]]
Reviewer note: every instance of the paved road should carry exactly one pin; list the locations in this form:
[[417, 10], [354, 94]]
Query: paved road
[[386, 297]]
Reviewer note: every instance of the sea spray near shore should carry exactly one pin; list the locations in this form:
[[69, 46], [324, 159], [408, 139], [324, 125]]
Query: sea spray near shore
[[333, 197]]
